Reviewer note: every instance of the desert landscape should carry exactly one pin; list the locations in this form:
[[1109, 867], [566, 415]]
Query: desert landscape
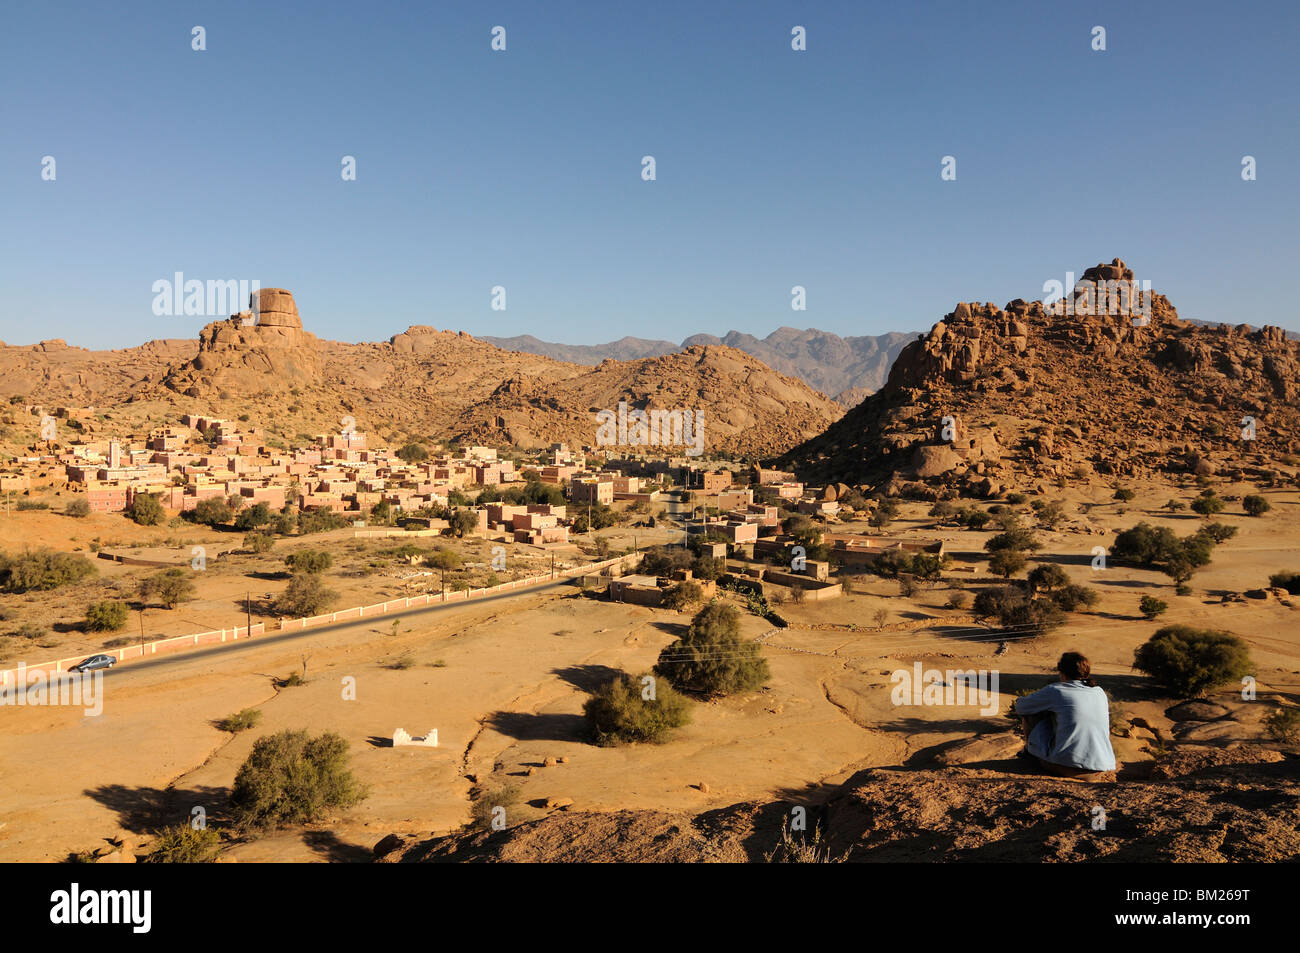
[[527, 644]]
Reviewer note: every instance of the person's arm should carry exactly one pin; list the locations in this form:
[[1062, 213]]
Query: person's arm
[[1042, 700]]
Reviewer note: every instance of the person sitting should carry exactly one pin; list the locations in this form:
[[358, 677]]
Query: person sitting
[[1067, 724]]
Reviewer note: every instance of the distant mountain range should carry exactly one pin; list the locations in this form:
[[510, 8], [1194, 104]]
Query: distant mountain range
[[844, 368]]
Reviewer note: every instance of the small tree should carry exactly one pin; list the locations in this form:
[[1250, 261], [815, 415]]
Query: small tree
[[413, 453], [212, 511], [171, 586], [106, 616], [629, 710], [711, 657], [1189, 661], [292, 778], [1047, 577], [309, 561], [463, 522], [145, 510], [305, 595], [1255, 505], [683, 595], [1124, 495], [1007, 562], [1207, 504], [1151, 607]]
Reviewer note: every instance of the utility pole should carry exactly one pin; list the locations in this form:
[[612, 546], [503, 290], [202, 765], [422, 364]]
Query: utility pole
[[248, 605], [552, 565], [141, 633]]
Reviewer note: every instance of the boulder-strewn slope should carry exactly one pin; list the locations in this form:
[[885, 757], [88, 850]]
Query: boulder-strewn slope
[[423, 382], [748, 408], [1037, 394], [1200, 804]]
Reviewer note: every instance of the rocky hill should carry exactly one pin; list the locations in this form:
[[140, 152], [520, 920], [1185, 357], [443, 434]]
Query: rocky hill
[[746, 405], [1199, 804], [1026, 393], [844, 368], [422, 382]]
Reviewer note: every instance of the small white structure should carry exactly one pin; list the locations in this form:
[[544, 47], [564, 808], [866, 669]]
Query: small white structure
[[402, 737]]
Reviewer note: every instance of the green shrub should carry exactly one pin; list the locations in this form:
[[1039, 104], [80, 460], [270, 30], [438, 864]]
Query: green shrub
[[78, 508], [292, 778], [1207, 504], [1015, 538], [1151, 607], [1074, 598], [1124, 495], [1047, 577], [106, 616], [305, 595], [42, 569], [1255, 505], [1007, 562], [1283, 725], [309, 561], [1189, 661], [145, 510], [185, 844], [258, 542], [619, 712], [1014, 609], [240, 721], [711, 657], [1290, 581], [171, 586], [683, 595]]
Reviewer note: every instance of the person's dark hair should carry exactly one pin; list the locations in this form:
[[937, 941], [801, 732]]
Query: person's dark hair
[[1076, 667]]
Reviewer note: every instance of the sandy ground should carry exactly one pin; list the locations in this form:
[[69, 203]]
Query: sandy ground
[[510, 679]]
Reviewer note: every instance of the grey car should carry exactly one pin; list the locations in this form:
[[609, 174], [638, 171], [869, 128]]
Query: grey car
[[94, 662]]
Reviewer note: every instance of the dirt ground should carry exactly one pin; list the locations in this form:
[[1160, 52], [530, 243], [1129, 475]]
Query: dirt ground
[[504, 684]]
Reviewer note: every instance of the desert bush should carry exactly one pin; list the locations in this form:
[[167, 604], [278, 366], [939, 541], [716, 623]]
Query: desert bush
[[1013, 608], [958, 600], [1047, 576], [258, 542], [1007, 562], [1150, 607], [1188, 661], [107, 615], [620, 712], [42, 569], [444, 558], [1255, 505], [974, 518], [185, 844], [291, 777], [1283, 725], [212, 511], [487, 800], [711, 657], [240, 721], [1017, 538], [684, 594], [1124, 495], [309, 561], [1290, 581], [402, 662], [320, 521], [1207, 504], [78, 508], [252, 517], [305, 595], [145, 510], [26, 505], [1015, 499], [1074, 598], [171, 586], [413, 453]]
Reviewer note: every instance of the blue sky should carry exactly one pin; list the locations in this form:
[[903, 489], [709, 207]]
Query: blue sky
[[522, 168]]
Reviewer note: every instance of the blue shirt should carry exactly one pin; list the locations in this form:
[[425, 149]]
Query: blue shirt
[[1078, 732]]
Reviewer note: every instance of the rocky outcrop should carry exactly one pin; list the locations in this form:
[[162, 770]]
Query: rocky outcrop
[[1070, 386]]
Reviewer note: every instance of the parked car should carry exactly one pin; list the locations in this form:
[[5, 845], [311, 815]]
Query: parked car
[[94, 662]]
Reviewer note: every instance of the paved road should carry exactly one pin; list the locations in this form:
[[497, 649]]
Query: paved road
[[273, 638]]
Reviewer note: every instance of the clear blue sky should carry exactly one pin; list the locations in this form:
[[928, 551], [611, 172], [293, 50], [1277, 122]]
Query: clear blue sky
[[522, 168]]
